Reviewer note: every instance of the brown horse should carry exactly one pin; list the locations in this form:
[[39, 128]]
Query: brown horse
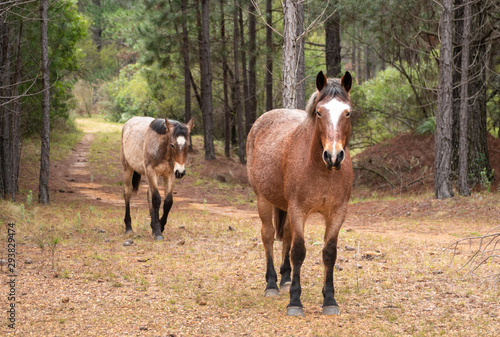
[[298, 164], [153, 147]]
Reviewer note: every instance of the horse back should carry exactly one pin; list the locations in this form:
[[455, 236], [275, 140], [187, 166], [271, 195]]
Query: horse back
[[266, 146], [132, 149]]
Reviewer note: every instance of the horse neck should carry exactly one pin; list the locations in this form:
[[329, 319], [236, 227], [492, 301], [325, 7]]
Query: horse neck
[[309, 133]]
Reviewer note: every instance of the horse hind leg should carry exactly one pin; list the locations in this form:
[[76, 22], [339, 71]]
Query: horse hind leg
[[283, 232], [267, 231]]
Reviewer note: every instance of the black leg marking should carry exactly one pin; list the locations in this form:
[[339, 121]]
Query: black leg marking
[[155, 216], [298, 255], [329, 258], [271, 278], [127, 220], [286, 270], [167, 205]]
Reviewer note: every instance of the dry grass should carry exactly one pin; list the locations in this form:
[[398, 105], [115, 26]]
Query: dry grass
[[204, 279]]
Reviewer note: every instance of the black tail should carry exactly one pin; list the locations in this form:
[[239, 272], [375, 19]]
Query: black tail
[[279, 222], [136, 180]]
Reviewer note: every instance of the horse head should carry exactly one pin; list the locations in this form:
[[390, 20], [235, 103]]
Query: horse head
[[179, 143], [331, 109]]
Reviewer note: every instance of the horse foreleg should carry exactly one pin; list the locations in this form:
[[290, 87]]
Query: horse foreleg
[[154, 204], [127, 193], [267, 231], [298, 254], [333, 224], [286, 268], [168, 182]]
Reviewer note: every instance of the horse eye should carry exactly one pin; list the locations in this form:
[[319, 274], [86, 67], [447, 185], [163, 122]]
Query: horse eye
[[317, 113], [172, 145], [348, 114]]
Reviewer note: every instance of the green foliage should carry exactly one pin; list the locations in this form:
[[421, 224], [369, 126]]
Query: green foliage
[[428, 126], [384, 107]]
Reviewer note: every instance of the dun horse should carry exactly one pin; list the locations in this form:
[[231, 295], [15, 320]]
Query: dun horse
[[298, 164], [153, 147]]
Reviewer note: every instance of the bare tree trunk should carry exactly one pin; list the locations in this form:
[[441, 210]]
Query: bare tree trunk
[[289, 65], [353, 56], [227, 113], [16, 119], [237, 90], [206, 82], [244, 67], [5, 116], [443, 150], [300, 84], [43, 192], [269, 55], [332, 45], [463, 153], [252, 69], [187, 72]]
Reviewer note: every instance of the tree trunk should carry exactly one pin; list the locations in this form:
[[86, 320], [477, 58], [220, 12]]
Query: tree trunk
[[463, 153], [269, 55], [252, 69], [443, 150], [479, 165], [300, 84], [97, 30], [206, 82], [185, 58], [289, 65], [237, 90], [227, 112], [244, 68], [332, 45], [16, 120], [43, 192], [5, 115]]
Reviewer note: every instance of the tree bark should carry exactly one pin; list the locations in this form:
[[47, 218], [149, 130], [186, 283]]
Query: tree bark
[[227, 112], [206, 82], [269, 55], [252, 69], [237, 90], [443, 150], [5, 116], [16, 119], [332, 45], [187, 72], [244, 71], [300, 84], [289, 66], [463, 153], [43, 192]]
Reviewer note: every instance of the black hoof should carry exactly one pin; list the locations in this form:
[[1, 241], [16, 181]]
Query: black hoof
[[331, 310], [271, 293], [129, 231], [285, 287], [159, 237], [295, 311]]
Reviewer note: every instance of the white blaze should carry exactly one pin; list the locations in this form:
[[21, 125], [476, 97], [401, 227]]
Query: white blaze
[[181, 140], [335, 109]]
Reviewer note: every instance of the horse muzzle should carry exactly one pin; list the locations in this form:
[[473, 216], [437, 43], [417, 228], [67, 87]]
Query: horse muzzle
[[330, 162], [179, 170]]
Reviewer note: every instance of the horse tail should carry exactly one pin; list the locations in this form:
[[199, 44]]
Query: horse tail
[[136, 179], [279, 222]]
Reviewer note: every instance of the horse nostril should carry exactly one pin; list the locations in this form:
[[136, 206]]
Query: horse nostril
[[327, 157], [179, 174], [340, 156]]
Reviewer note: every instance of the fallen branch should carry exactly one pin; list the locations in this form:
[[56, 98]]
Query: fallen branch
[[361, 167]]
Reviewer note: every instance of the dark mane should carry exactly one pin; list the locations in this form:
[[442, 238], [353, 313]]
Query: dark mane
[[158, 125], [333, 89]]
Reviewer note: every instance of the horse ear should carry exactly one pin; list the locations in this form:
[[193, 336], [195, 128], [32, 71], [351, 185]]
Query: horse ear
[[168, 125], [190, 124], [320, 81], [346, 81]]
